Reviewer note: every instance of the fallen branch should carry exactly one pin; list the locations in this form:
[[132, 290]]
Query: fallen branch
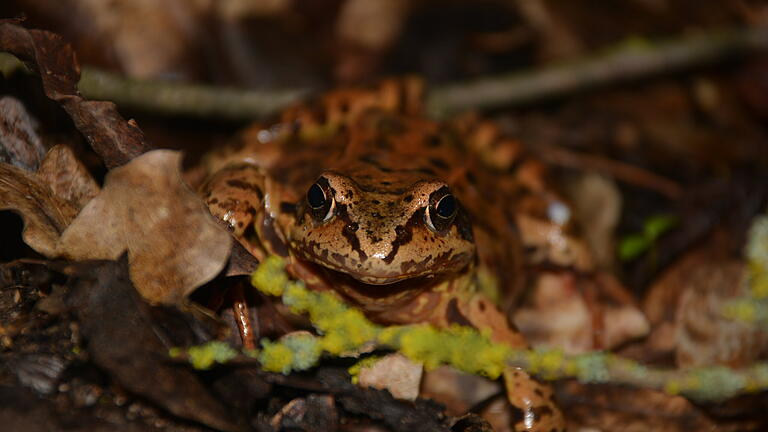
[[630, 61], [625, 172], [344, 330]]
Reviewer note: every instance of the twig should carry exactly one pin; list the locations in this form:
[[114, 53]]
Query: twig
[[619, 170], [170, 98], [631, 61], [345, 330], [185, 99]]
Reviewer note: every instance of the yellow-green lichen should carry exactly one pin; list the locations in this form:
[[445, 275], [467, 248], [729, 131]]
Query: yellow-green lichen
[[757, 255], [344, 330], [276, 357], [547, 363], [713, 383], [461, 347], [752, 306], [206, 355], [742, 309], [305, 349], [590, 368]]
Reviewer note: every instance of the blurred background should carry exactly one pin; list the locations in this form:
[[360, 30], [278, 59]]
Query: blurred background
[[651, 114], [289, 43]]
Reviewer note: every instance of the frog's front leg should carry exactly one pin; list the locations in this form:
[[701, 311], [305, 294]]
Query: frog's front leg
[[531, 399], [235, 195]]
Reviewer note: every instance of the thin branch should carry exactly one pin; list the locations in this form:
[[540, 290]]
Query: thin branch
[[345, 330], [171, 98], [185, 99], [627, 173], [630, 61]]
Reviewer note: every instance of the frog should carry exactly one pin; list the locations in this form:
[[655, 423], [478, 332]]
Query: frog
[[410, 219]]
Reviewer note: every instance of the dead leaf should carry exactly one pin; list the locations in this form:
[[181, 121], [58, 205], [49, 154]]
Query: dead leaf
[[173, 242], [560, 313], [67, 176], [117, 141], [19, 143], [315, 413], [619, 408], [396, 373], [130, 340], [684, 306], [458, 391], [596, 200], [45, 216], [703, 335], [399, 416]]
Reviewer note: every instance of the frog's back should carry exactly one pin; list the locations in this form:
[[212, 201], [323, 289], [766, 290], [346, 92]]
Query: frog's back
[[381, 138]]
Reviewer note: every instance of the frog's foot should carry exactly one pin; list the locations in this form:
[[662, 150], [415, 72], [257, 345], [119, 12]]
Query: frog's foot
[[235, 195], [534, 407], [531, 400]]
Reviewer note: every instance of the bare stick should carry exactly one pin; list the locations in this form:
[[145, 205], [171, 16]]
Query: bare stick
[[628, 62], [622, 171], [631, 61]]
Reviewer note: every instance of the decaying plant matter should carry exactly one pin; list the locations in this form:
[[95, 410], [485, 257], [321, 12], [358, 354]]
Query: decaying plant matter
[[119, 262]]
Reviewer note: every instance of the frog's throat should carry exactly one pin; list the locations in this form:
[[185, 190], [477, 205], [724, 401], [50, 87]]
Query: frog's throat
[[380, 298]]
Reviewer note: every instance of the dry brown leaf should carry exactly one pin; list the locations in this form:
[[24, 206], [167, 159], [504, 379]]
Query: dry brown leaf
[[560, 314], [173, 242], [619, 408], [596, 200], [45, 216], [67, 176], [703, 335], [458, 391], [117, 141], [19, 143], [685, 303]]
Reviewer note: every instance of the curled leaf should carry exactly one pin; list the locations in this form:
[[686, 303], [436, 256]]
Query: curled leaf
[[19, 143], [45, 216], [67, 176], [117, 141]]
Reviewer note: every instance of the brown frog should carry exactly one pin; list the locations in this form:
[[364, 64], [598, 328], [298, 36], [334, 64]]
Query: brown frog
[[410, 219]]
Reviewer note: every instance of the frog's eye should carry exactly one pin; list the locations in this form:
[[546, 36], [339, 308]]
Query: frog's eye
[[441, 211], [320, 201]]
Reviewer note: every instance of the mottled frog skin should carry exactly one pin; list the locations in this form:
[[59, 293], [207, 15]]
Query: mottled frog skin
[[410, 219]]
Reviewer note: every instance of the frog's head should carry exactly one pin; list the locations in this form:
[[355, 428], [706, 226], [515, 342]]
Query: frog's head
[[382, 232]]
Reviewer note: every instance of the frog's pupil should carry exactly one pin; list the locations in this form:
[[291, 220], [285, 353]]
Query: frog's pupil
[[446, 207], [316, 196]]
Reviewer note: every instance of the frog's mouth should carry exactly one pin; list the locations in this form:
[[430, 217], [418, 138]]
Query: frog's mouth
[[429, 270], [372, 279], [383, 292]]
